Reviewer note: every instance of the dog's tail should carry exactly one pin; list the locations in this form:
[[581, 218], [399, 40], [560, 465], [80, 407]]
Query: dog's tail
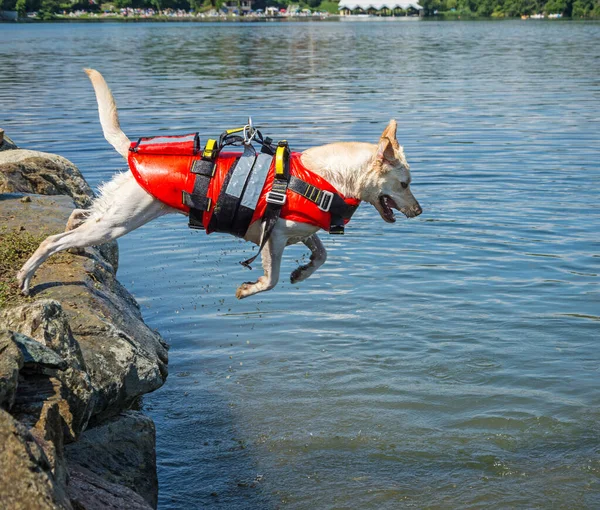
[[109, 118]]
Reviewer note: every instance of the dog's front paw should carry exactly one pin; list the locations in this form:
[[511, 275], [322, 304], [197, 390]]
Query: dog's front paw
[[245, 290]]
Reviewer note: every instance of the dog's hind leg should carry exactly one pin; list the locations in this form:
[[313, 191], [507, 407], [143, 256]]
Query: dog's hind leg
[[112, 217], [318, 256], [78, 216]]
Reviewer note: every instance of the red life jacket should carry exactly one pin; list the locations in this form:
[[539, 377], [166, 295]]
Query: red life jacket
[[162, 166]]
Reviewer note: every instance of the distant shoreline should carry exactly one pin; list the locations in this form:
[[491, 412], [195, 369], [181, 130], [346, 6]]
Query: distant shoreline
[[277, 19], [167, 19]]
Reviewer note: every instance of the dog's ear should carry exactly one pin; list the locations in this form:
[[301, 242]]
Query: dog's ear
[[390, 133], [386, 149]]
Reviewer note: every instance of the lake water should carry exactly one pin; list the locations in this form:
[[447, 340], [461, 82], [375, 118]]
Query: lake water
[[449, 361]]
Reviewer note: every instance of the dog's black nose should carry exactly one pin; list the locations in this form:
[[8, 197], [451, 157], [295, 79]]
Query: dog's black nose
[[417, 209]]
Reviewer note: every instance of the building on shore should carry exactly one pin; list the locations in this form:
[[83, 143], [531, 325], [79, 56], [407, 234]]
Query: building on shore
[[9, 15], [380, 8]]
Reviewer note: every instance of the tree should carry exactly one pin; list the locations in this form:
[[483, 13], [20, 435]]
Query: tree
[[47, 9], [556, 6], [21, 8], [122, 4]]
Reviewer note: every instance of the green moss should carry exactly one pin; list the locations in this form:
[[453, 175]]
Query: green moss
[[15, 248]]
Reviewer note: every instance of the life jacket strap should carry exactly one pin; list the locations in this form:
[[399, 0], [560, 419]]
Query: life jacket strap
[[275, 198], [327, 201], [197, 200]]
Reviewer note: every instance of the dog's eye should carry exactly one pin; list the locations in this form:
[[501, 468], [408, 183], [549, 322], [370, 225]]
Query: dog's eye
[[404, 185]]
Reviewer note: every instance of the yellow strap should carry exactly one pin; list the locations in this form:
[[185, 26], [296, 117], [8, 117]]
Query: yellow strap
[[280, 160], [209, 149], [235, 130]]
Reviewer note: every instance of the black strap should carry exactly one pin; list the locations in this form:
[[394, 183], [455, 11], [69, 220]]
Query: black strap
[[327, 201], [275, 198], [197, 200]]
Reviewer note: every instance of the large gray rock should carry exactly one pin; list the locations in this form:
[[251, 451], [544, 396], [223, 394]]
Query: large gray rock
[[89, 491], [7, 144], [48, 432], [121, 450], [26, 478], [78, 352], [28, 171], [37, 356], [45, 322], [11, 361], [123, 357], [70, 387]]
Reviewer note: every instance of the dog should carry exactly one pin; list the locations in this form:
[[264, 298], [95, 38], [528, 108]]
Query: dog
[[375, 173]]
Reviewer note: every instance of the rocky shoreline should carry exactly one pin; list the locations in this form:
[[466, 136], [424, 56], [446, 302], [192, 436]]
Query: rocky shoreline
[[75, 356]]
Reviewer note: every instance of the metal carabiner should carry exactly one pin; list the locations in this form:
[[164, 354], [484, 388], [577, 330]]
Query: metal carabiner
[[249, 132]]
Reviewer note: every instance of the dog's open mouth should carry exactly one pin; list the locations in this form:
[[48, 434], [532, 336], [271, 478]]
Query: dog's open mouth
[[387, 203]]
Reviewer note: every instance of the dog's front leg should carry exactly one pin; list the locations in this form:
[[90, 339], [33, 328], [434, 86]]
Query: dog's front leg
[[271, 261], [318, 256]]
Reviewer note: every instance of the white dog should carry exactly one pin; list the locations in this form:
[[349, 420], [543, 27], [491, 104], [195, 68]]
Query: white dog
[[374, 173]]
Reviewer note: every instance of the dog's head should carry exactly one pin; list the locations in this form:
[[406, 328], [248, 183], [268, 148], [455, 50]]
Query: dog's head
[[388, 179]]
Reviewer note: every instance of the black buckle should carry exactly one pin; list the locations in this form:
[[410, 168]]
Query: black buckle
[[336, 229], [203, 204]]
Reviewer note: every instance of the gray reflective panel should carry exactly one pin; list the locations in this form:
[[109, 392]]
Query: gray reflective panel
[[257, 181], [168, 139], [240, 173]]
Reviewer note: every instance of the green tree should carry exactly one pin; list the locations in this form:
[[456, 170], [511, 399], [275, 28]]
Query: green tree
[[431, 6], [122, 4], [485, 8], [556, 6], [48, 9], [21, 8]]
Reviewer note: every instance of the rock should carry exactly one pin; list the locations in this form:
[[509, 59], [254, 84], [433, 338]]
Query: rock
[[49, 434], [121, 450], [110, 252], [6, 144], [26, 479], [75, 354], [70, 387], [70, 390], [25, 171], [11, 361], [45, 321], [36, 355], [124, 358], [88, 491]]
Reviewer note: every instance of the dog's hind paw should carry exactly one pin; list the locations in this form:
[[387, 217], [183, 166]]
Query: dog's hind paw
[[299, 274], [23, 285]]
